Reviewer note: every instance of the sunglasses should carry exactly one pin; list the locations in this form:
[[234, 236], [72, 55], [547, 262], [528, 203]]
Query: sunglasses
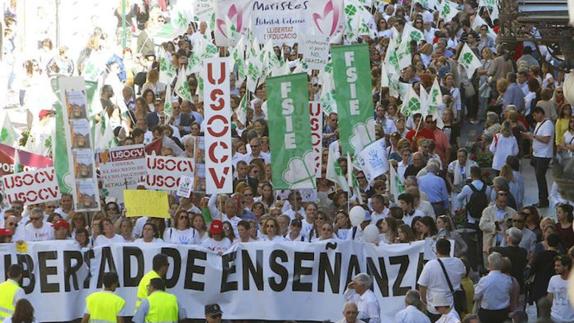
[[35, 219]]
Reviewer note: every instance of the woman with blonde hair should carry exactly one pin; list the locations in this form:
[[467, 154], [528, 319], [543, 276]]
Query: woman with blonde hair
[[270, 230], [153, 83], [503, 144]]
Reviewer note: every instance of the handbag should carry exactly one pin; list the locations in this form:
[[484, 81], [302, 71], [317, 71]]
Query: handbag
[[459, 296]]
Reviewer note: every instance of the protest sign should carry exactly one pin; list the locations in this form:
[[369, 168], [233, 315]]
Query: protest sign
[[316, 118], [373, 160], [164, 172], [32, 187], [146, 203], [217, 109], [316, 51], [282, 22], [293, 159], [352, 75], [81, 170], [121, 168], [27, 160], [185, 186], [251, 275]]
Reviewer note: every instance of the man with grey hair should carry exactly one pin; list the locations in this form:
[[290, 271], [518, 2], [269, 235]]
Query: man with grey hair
[[528, 240], [493, 291], [516, 254], [435, 189], [412, 312], [36, 229], [350, 313], [359, 292]]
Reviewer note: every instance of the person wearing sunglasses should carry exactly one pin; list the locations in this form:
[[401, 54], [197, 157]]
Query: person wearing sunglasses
[[36, 229]]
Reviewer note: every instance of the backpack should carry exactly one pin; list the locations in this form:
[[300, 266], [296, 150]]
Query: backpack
[[478, 201]]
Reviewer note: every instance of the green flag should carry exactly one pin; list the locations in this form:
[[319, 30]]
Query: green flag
[[182, 88], [352, 75], [292, 161], [61, 164]]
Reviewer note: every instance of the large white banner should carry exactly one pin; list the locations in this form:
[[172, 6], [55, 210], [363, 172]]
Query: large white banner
[[217, 109], [32, 187], [284, 22], [164, 173], [273, 277]]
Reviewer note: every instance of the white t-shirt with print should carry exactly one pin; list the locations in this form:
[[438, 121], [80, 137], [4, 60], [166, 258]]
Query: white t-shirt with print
[[562, 311], [187, 236], [216, 246]]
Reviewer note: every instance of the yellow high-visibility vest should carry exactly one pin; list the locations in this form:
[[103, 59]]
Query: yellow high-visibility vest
[[8, 290], [142, 287], [162, 308], [104, 306]]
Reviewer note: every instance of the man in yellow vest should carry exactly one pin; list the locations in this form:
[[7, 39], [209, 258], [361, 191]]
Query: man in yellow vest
[[159, 306], [10, 291], [159, 269], [105, 306]]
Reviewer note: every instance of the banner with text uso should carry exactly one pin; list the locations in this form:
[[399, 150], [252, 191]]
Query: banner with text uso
[[275, 278]]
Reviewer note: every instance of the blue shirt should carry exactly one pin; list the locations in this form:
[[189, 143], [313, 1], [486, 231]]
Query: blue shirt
[[434, 187]]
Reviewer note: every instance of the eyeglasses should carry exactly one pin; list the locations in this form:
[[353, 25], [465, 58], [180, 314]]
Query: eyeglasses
[[250, 194], [35, 219], [183, 217]]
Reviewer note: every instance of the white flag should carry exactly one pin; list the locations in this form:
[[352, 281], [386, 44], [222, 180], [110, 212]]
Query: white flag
[[468, 60], [8, 134], [373, 160], [448, 10], [411, 103], [334, 172], [397, 186]]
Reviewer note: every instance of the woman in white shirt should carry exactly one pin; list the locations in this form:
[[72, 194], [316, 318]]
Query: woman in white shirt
[[127, 230], [327, 232], [182, 232], [448, 83], [216, 241], [566, 148], [108, 235], [149, 234], [503, 144], [198, 224], [271, 231]]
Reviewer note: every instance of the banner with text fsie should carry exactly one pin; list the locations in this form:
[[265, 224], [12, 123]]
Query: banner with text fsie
[[32, 187], [217, 110], [164, 173], [248, 276], [283, 22], [352, 76], [293, 159]]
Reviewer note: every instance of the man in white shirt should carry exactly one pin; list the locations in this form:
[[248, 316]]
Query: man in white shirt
[[493, 291], [379, 210], [528, 240], [36, 230], [350, 313], [433, 285], [359, 292], [542, 152], [412, 313], [562, 310], [406, 203], [256, 153]]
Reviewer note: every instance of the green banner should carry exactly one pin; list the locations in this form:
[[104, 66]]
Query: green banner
[[292, 160], [60, 148], [352, 76]]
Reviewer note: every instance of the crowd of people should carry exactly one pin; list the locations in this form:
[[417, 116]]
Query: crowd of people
[[468, 190]]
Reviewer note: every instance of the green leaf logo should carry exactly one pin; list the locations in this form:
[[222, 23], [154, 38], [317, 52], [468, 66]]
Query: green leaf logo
[[416, 36], [3, 135], [350, 10], [445, 10], [413, 105], [467, 58]]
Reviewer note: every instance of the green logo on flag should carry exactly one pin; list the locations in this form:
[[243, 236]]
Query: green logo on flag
[[350, 10], [467, 58], [416, 36], [445, 10], [413, 105], [4, 135]]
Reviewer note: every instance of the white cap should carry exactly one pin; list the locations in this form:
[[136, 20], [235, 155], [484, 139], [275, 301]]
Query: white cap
[[427, 17]]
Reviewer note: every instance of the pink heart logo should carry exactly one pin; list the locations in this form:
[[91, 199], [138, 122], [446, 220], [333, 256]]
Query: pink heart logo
[[320, 20], [233, 12]]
